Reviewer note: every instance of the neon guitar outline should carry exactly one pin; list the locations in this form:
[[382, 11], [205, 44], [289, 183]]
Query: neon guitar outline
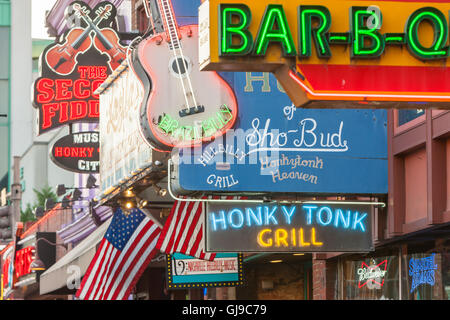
[[167, 64]]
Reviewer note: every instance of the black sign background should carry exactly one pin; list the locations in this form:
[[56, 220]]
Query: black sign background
[[244, 239], [72, 163]]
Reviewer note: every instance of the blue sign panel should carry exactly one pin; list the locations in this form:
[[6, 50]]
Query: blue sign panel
[[275, 147], [188, 272]]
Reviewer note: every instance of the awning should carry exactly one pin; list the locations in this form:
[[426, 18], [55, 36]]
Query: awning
[[55, 279]]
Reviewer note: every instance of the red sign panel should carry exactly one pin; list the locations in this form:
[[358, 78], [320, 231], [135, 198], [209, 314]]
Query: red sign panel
[[73, 69], [22, 263]]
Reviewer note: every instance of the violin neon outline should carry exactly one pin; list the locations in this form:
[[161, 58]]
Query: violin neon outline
[[65, 54], [109, 48]]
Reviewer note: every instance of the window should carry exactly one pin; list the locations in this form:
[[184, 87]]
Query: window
[[426, 273], [372, 278]]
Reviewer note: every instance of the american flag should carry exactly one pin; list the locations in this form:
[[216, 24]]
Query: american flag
[[122, 256], [183, 231]]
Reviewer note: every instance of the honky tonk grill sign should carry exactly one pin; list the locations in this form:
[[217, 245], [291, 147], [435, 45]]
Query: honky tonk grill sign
[[335, 53]]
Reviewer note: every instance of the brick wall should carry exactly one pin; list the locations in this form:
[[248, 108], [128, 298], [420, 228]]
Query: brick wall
[[319, 279]]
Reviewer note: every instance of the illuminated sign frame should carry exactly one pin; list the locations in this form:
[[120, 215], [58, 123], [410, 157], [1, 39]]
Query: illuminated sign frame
[[323, 65], [288, 228], [277, 148], [72, 69], [78, 152], [210, 273]]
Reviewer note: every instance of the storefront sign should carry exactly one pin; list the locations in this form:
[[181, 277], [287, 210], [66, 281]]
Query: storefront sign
[[71, 70], [323, 52], [372, 276], [123, 151], [422, 271], [8, 270], [187, 272], [22, 263], [77, 152], [288, 228], [277, 148], [182, 106]]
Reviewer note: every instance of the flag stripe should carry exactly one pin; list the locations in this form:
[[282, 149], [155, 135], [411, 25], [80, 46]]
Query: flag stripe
[[87, 281], [124, 252], [148, 258], [101, 272], [124, 255], [134, 265], [194, 230], [130, 261], [183, 231], [187, 225], [172, 221], [184, 210], [112, 261], [106, 281]]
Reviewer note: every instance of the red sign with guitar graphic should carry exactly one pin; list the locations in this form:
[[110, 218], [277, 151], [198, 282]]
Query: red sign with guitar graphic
[[182, 106], [73, 68]]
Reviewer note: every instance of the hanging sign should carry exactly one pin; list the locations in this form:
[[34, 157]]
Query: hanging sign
[[335, 53], [182, 106], [73, 68], [278, 148], [288, 228], [78, 152], [185, 272]]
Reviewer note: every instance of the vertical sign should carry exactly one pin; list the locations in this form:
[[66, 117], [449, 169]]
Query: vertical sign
[[72, 69]]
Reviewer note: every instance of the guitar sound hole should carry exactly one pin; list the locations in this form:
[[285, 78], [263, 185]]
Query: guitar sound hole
[[178, 67]]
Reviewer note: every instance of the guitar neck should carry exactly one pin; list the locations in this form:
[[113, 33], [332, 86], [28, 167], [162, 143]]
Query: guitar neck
[[170, 23]]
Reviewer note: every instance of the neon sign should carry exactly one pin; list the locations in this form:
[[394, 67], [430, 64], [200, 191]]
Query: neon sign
[[64, 101], [73, 69], [78, 152], [364, 41], [333, 46], [422, 271], [372, 275], [207, 127], [308, 227]]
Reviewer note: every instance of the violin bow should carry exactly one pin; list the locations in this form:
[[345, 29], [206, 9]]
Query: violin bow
[[93, 27]]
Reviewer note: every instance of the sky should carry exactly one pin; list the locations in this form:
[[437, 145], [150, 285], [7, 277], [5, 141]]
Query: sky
[[38, 8]]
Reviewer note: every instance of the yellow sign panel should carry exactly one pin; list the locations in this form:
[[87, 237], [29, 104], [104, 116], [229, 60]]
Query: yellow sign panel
[[326, 53]]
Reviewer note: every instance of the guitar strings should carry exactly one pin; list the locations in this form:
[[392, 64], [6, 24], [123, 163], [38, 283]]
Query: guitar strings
[[181, 54]]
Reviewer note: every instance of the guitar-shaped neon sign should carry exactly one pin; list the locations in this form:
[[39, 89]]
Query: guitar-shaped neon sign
[[183, 106]]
